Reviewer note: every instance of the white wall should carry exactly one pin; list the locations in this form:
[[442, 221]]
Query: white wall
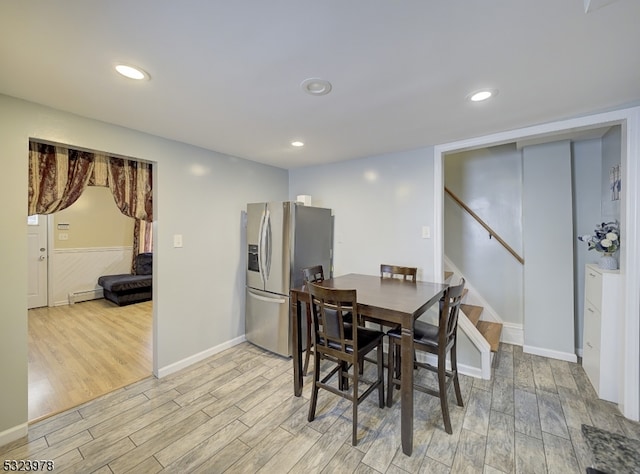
[[489, 181], [548, 247], [199, 289], [380, 204]]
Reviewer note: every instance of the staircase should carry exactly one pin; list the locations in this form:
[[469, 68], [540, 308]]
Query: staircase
[[489, 330]]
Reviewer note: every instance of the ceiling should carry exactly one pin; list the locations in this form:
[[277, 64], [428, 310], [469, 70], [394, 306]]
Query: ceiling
[[226, 75]]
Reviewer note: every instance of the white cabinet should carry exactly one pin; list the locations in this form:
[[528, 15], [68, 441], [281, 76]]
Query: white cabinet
[[601, 339]]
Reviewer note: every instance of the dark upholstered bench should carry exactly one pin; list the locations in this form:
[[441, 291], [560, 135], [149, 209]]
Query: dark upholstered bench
[[126, 289]]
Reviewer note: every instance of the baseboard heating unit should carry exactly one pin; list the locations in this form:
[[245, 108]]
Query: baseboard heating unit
[[86, 295]]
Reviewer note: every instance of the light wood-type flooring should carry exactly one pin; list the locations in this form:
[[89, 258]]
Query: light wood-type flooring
[[235, 412], [82, 351]]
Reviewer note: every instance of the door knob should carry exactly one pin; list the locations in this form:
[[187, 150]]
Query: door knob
[[42, 257]]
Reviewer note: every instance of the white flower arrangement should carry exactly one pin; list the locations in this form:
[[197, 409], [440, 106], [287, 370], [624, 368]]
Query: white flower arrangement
[[605, 239]]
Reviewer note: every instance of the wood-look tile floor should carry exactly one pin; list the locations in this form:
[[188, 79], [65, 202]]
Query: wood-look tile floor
[[235, 412], [82, 351]]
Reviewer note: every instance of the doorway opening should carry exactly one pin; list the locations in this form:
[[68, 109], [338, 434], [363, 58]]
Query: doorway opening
[[80, 345]]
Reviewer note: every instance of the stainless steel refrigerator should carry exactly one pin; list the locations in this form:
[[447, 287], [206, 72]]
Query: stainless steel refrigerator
[[282, 239]]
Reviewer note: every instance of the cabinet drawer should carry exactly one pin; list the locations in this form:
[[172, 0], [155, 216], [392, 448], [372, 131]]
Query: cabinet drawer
[[592, 329], [591, 365], [591, 344], [593, 287]]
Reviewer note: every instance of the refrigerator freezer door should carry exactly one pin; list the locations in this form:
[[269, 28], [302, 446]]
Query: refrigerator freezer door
[[267, 321], [255, 222]]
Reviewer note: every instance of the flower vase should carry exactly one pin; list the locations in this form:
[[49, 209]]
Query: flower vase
[[608, 262]]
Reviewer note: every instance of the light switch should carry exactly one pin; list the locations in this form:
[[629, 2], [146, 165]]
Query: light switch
[[426, 232], [177, 240]]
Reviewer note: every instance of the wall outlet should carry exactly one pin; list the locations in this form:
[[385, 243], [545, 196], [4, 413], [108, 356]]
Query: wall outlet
[[177, 240], [63, 236]]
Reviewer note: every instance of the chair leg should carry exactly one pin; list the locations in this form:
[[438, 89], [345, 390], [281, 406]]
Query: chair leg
[[308, 352], [343, 380], [442, 386], [314, 389], [354, 434], [454, 371], [380, 375], [391, 373], [398, 361]]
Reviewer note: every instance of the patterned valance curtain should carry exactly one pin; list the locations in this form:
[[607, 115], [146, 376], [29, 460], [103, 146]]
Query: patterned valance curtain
[[57, 177], [131, 185]]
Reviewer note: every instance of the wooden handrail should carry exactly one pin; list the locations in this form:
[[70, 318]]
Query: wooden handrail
[[492, 233]]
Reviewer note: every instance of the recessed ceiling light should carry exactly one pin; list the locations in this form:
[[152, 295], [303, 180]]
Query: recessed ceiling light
[[481, 95], [316, 86], [132, 72], [297, 143]]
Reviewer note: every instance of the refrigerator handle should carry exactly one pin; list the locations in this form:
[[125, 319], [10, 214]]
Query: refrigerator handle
[[261, 249], [267, 233], [267, 300]]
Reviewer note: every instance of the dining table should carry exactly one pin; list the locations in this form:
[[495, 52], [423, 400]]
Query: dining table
[[388, 301]]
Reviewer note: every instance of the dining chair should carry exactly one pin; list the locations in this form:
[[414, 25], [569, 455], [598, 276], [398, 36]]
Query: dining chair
[[310, 274], [439, 340], [408, 274], [394, 271], [344, 346]]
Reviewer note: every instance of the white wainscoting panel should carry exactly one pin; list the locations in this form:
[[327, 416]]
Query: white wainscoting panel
[[78, 270]]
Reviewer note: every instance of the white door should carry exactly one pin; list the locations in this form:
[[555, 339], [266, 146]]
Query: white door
[[37, 261]]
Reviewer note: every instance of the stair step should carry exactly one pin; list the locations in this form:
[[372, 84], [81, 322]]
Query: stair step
[[472, 312], [447, 275], [491, 332]]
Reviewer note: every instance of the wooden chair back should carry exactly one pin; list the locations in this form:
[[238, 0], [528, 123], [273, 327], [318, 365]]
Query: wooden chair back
[[448, 318], [313, 274], [393, 271], [310, 274], [329, 307]]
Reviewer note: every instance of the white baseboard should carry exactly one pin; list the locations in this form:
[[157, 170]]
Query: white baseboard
[[568, 356], [512, 334], [462, 368], [470, 371], [175, 367], [12, 434]]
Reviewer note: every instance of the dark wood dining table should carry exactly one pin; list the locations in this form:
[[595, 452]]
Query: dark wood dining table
[[385, 300]]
